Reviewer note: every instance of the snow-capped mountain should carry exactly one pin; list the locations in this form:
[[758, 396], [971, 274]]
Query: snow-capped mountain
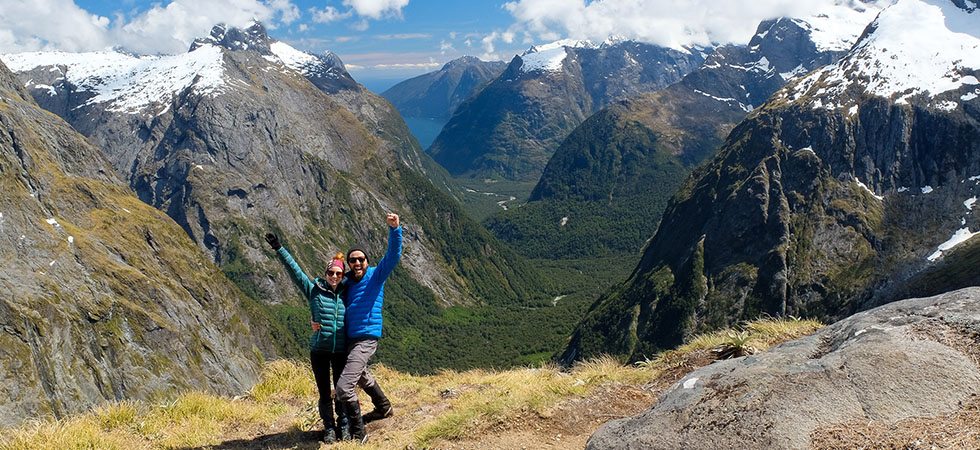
[[147, 85], [851, 187], [531, 107], [550, 57], [918, 49]]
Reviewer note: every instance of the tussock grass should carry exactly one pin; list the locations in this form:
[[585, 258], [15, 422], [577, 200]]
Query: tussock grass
[[431, 410], [193, 419], [757, 335], [282, 379]]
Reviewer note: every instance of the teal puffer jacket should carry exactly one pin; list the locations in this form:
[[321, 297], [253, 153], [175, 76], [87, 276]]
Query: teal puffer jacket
[[326, 307]]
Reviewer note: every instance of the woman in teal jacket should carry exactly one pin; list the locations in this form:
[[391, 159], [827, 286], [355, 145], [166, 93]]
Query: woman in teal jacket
[[328, 346]]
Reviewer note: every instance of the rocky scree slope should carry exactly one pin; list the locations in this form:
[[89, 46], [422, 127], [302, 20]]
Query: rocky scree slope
[[852, 187], [438, 94], [524, 114], [233, 141], [909, 359], [102, 298], [638, 151]]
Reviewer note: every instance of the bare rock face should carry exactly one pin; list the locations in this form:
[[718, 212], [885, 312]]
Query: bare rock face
[[102, 297], [913, 358]]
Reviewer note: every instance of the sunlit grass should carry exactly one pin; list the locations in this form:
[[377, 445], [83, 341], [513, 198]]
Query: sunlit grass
[[283, 379]]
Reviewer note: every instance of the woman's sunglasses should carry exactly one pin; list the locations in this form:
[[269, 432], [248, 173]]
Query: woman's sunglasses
[[335, 273]]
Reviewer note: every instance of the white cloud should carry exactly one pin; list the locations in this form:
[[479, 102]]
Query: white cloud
[[671, 23], [446, 47], [361, 25], [170, 28], [404, 36], [288, 12], [376, 9], [28, 25], [425, 65], [328, 14]]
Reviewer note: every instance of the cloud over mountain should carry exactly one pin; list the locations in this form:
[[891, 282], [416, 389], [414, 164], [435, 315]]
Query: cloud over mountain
[[670, 23]]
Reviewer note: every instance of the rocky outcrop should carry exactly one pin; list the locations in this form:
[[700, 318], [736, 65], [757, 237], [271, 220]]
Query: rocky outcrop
[[913, 358], [437, 94], [837, 195], [102, 298], [524, 114]]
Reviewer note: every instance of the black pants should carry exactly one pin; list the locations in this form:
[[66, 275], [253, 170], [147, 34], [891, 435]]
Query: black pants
[[323, 364]]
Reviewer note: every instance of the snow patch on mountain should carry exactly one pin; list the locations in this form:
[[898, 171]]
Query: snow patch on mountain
[[549, 57], [305, 63], [914, 47], [959, 237], [837, 28], [866, 188], [291, 57], [131, 84]]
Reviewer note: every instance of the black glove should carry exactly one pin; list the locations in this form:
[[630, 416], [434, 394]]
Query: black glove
[[273, 241]]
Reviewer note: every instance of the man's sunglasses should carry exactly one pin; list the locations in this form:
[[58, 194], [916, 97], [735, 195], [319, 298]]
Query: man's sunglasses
[[356, 259], [335, 273]]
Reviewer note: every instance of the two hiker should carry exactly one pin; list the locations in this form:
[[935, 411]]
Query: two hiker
[[346, 320]]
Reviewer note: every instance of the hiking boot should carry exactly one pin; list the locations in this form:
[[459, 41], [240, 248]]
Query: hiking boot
[[343, 423], [357, 432], [382, 406], [328, 436], [380, 412]]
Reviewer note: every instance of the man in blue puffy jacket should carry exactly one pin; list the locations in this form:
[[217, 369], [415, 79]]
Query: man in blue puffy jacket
[[364, 299]]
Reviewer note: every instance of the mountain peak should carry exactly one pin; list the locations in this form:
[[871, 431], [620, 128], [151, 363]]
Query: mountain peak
[[559, 44], [252, 37], [913, 48], [461, 61]]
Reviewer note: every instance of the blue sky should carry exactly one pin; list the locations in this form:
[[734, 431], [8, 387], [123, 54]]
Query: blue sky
[[389, 39]]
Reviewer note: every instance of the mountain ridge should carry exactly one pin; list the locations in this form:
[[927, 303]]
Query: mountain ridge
[[107, 297]]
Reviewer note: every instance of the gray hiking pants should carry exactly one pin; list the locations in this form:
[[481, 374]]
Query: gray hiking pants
[[355, 372]]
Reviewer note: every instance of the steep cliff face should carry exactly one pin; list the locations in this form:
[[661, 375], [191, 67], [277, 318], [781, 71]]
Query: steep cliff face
[[250, 142], [104, 298], [850, 188], [638, 151], [531, 107], [438, 94]]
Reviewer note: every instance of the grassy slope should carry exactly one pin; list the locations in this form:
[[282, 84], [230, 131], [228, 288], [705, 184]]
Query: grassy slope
[[537, 407]]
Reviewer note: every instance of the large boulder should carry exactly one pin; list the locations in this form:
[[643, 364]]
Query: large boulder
[[913, 358]]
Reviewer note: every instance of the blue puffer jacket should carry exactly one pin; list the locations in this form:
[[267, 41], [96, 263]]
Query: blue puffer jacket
[[326, 307], [364, 298]]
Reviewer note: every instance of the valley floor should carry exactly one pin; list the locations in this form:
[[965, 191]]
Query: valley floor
[[527, 408]]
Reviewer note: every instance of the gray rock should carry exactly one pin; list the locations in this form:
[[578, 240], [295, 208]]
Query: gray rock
[[912, 358]]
